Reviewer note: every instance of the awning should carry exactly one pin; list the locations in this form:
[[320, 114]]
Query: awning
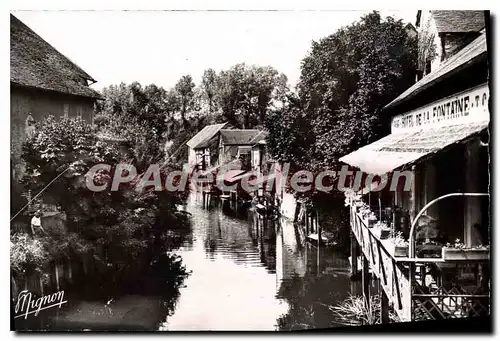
[[230, 175], [232, 165], [246, 175], [405, 148], [253, 178]]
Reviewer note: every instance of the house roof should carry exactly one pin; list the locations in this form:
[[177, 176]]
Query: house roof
[[204, 136], [458, 21], [259, 138], [468, 55], [238, 136], [35, 63]]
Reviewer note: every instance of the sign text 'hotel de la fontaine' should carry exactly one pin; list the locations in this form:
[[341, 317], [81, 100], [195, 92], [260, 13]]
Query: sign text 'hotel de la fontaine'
[[468, 106]]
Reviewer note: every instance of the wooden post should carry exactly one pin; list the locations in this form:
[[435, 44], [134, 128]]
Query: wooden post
[[365, 280], [57, 276], [411, 283], [318, 259], [41, 284], [318, 228], [306, 221], [354, 255], [313, 223], [413, 197], [70, 270], [472, 205], [384, 305]]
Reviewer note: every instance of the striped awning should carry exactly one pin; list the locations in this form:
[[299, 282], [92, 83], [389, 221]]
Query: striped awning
[[399, 150], [253, 178], [230, 175], [232, 165]]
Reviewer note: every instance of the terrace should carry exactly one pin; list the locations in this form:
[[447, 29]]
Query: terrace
[[454, 283]]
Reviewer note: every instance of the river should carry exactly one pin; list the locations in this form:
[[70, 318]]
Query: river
[[247, 274], [244, 274]]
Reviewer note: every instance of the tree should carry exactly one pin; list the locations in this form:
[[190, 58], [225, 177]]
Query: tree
[[345, 81], [185, 90], [246, 94], [208, 86], [118, 226], [137, 115]]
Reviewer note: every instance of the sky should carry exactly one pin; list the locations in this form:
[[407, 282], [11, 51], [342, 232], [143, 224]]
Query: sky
[[159, 47]]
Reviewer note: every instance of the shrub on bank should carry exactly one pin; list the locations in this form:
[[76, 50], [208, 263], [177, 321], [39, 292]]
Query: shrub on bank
[[116, 227], [27, 254]]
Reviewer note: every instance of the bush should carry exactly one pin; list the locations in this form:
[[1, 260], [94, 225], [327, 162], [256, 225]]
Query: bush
[[355, 311], [27, 254]]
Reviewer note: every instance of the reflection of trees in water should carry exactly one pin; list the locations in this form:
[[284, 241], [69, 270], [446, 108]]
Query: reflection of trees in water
[[143, 299], [236, 238], [311, 295], [309, 299]]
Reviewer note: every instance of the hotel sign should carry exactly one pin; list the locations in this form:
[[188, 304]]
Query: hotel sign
[[468, 106]]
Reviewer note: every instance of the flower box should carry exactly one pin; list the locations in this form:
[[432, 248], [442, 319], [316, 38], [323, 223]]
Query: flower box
[[371, 222], [400, 251], [385, 233], [381, 231], [451, 253]]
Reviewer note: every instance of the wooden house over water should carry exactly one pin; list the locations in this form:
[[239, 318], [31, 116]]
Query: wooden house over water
[[236, 144], [203, 145]]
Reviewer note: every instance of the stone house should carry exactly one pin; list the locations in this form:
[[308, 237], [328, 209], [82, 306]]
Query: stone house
[[448, 31], [43, 82]]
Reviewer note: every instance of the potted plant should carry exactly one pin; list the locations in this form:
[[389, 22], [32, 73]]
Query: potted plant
[[365, 212], [351, 197], [459, 251], [372, 219], [382, 231], [400, 245]]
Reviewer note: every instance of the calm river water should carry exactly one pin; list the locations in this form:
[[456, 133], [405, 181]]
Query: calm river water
[[247, 274]]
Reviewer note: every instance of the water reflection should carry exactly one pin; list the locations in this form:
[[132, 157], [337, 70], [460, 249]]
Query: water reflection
[[251, 274]]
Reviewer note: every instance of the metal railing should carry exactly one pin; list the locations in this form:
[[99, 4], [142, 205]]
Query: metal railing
[[411, 240]]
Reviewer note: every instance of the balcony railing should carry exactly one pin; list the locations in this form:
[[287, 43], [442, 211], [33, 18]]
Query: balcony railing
[[424, 288]]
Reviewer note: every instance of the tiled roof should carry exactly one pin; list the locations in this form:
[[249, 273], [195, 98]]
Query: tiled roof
[[402, 149], [35, 63], [260, 137], [204, 136], [238, 136], [458, 21], [468, 54]]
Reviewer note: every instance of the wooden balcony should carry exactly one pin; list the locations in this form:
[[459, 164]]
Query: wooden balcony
[[422, 288]]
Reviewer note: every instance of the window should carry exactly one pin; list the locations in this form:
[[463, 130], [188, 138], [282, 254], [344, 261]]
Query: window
[[66, 110], [79, 111]]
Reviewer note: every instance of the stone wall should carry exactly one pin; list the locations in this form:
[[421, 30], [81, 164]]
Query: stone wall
[[28, 106]]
